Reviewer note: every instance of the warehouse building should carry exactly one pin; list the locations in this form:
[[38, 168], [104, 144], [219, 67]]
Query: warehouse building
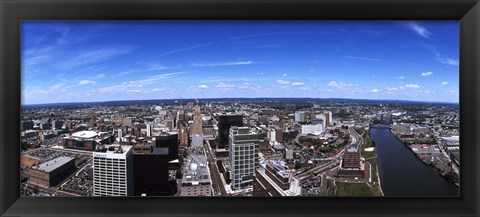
[[53, 172]]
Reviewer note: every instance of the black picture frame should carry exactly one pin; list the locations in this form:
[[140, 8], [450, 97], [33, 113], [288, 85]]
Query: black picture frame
[[14, 11]]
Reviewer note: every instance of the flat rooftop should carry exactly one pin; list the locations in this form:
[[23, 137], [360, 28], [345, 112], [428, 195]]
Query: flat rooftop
[[352, 148], [195, 170], [51, 165]]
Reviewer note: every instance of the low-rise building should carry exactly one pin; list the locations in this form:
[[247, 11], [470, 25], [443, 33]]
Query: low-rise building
[[52, 172]]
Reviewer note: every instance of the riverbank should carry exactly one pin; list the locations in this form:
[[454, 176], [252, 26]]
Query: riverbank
[[430, 165]]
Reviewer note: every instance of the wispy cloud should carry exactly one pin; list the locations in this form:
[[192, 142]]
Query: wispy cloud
[[86, 82], [362, 58], [340, 84], [280, 33], [439, 58], [203, 86], [136, 83], [420, 30], [284, 75], [374, 91], [444, 83], [425, 74], [400, 77], [156, 67], [298, 83], [222, 64], [175, 51], [282, 82], [93, 56], [447, 61], [224, 85], [412, 86]]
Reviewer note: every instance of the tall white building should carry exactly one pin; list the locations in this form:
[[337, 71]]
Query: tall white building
[[113, 171], [119, 135], [271, 135], [312, 129], [300, 116], [244, 159], [323, 117], [149, 130]]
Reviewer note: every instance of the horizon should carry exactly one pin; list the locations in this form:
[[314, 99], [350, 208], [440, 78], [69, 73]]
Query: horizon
[[83, 62], [286, 98]]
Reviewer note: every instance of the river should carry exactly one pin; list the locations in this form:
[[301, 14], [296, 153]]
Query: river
[[402, 173]]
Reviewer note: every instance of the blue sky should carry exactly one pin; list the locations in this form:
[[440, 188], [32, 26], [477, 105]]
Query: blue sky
[[104, 61]]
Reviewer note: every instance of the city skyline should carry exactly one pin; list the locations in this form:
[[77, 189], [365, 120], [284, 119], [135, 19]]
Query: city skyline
[[110, 61]]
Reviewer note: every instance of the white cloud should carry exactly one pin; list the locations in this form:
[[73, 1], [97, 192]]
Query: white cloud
[[444, 83], [339, 84], [412, 86], [420, 30], [202, 86], [425, 74], [391, 89], [298, 83], [224, 85], [304, 88], [133, 91], [374, 91], [284, 75], [85, 82], [400, 77], [282, 82], [260, 73]]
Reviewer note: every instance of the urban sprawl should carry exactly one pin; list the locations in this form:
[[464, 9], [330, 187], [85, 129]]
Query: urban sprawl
[[226, 147]]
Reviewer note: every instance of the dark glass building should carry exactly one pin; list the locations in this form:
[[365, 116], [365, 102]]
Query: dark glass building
[[150, 172], [170, 141], [226, 121]]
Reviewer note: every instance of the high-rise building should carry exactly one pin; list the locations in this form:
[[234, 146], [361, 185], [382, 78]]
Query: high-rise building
[[149, 130], [225, 121], [113, 171], [278, 135], [168, 140], [150, 171], [127, 121], [243, 145], [300, 116], [197, 122], [328, 118]]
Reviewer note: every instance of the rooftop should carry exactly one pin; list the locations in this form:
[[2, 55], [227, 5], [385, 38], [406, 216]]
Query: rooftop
[[85, 134], [352, 148], [52, 164], [195, 170]]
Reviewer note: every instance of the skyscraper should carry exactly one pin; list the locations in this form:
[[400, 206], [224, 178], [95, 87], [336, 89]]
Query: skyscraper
[[150, 169], [226, 121], [300, 116], [168, 140], [243, 145], [197, 122], [113, 171]]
